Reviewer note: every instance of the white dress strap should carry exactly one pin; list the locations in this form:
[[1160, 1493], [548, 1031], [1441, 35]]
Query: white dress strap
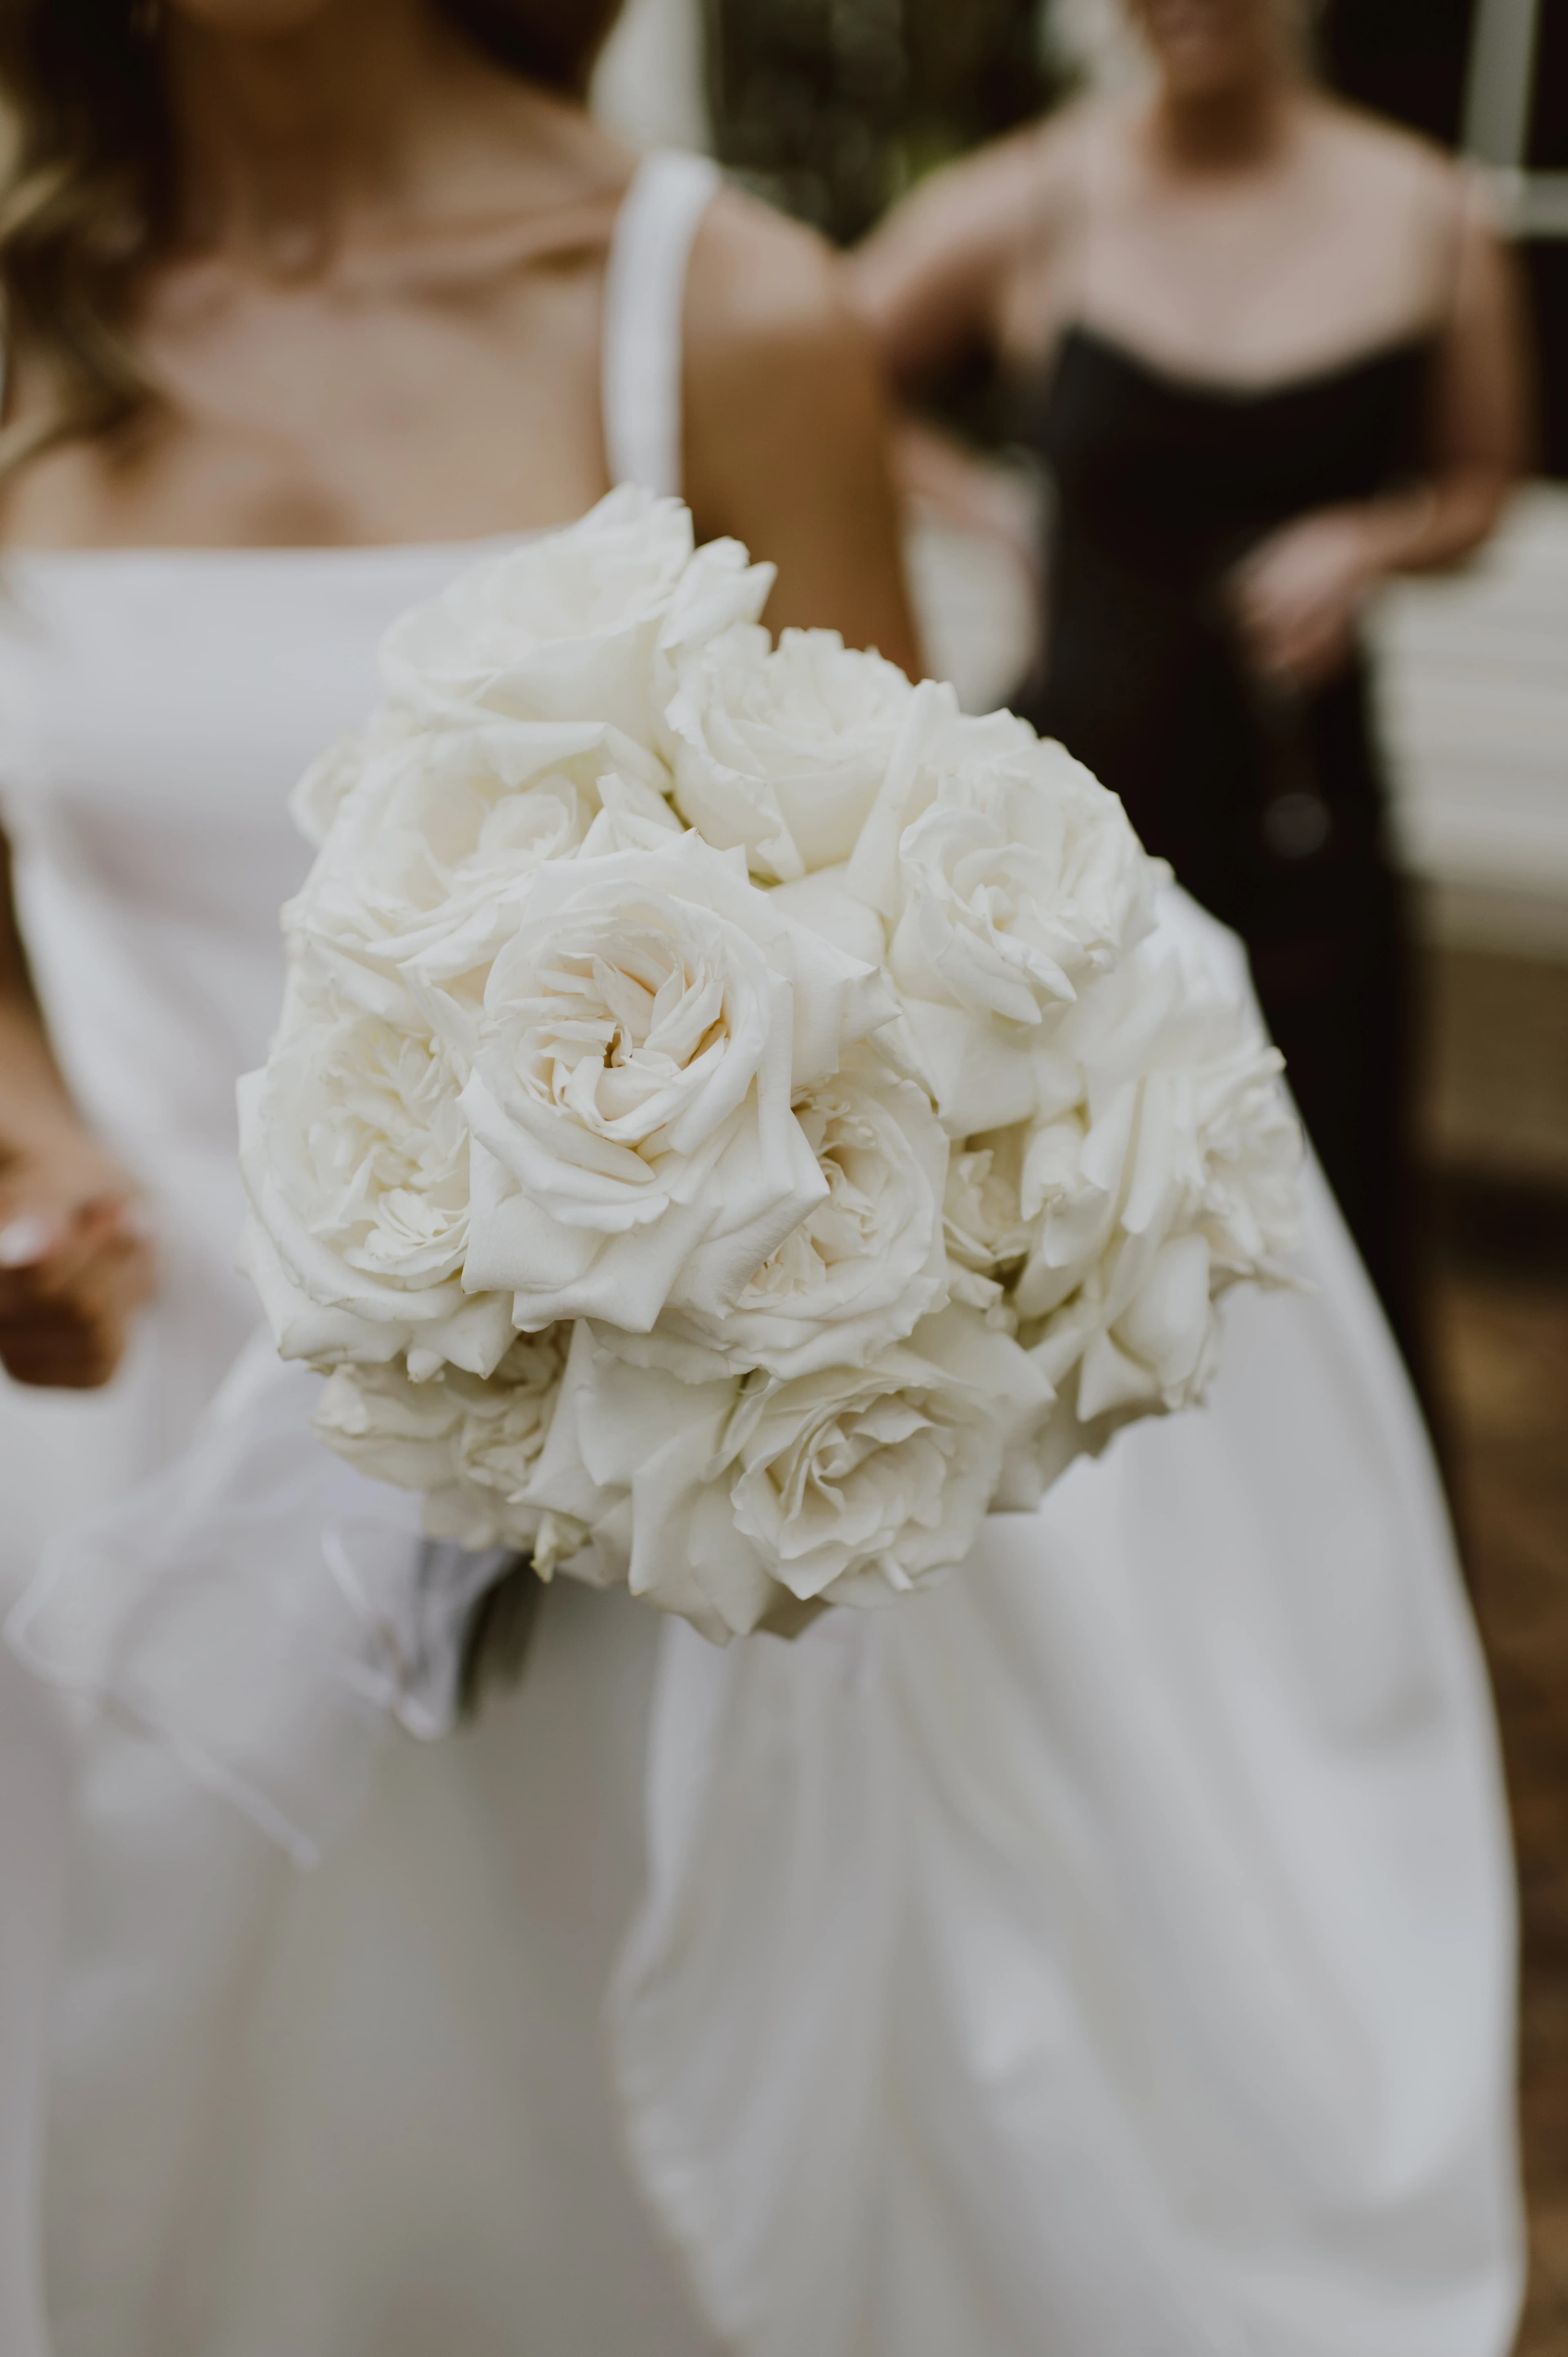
[[645, 288]]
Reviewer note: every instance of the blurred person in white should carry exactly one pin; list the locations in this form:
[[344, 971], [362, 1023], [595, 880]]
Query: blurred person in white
[[1112, 1952], [1270, 353]]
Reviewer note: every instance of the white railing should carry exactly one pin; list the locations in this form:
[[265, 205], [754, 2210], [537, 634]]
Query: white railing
[[1474, 700]]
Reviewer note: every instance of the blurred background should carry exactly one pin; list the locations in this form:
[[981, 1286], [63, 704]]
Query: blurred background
[[831, 109]]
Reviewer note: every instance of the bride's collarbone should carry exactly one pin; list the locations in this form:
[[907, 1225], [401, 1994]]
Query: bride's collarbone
[[308, 416], [453, 462], [283, 506]]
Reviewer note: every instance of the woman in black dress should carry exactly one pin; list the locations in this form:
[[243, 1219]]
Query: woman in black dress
[[1269, 354]]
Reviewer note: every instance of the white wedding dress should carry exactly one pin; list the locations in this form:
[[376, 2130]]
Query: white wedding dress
[[1107, 1956]]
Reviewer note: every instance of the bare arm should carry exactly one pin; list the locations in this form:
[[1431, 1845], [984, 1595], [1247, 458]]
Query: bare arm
[[1300, 593], [787, 438], [975, 258], [969, 258], [74, 1255], [1482, 428]]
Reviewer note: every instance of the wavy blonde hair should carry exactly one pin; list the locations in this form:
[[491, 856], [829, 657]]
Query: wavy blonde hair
[[87, 198]]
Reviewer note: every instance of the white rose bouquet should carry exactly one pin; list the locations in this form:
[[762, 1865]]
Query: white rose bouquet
[[736, 1120]]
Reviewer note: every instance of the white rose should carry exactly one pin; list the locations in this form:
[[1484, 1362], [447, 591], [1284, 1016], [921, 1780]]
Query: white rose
[[390, 1428], [823, 904], [782, 750], [577, 625], [1071, 1185], [987, 1234], [326, 784], [646, 1029], [470, 1442], [863, 1268], [1140, 1332], [1177, 1178], [355, 1157], [432, 849], [1008, 878], [849, 1485]]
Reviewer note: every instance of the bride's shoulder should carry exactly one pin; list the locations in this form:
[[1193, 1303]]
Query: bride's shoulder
[[785, 429], [758, 278], [767, 317]]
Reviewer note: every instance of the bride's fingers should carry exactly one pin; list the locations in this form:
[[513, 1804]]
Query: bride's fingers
[[119, 1278], [43, 1263], [44, 1256], [62, 1351], [64, 1316], [26, 1240], [76, 1341]]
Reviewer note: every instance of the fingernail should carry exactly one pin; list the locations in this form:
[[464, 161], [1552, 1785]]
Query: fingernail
[[25, 1242]]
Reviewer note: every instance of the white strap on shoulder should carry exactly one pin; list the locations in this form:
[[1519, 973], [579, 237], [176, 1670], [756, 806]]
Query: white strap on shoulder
[[645, 291]]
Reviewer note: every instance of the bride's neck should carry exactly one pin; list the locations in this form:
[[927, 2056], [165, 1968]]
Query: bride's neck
[[285, 140]]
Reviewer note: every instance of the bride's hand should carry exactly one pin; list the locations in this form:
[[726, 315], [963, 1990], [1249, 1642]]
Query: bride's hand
[[1298, 595], [76, 1259]]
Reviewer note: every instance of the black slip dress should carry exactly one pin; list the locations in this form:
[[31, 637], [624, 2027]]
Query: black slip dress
[[1269, 808]]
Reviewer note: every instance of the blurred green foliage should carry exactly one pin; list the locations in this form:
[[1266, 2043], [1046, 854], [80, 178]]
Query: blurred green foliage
[[831, 108]]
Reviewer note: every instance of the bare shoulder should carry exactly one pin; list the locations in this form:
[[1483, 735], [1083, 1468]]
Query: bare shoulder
[[1383, 163], [1006, 183], [1003, 195], [777, 358], [786, 440], [761, 288], [963, 257]]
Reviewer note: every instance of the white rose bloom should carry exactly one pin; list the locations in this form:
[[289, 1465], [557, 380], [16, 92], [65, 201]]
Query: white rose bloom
[[1140, 1332], [355, 1157], [326, 784], [431, 851], [577, 625], [782, 750], [1177, 1178], [390, 1428], [863, 1268], [987, 1236], [823, 904], [1008, 878], [849, 1486], [470, 1442], [742, 1241], [646, 1031]]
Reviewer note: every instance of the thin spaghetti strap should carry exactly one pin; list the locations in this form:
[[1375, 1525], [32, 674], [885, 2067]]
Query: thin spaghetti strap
[[645, 287]]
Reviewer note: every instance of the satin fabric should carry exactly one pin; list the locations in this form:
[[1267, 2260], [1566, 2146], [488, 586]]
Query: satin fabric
[[1111, 1951], [156, 707], [1078, 1960]]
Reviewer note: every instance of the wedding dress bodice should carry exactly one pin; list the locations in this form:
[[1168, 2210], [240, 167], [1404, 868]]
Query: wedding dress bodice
[[157, 707]]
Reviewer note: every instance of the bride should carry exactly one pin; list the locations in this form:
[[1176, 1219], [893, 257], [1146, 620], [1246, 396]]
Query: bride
[[1110, 1951]]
